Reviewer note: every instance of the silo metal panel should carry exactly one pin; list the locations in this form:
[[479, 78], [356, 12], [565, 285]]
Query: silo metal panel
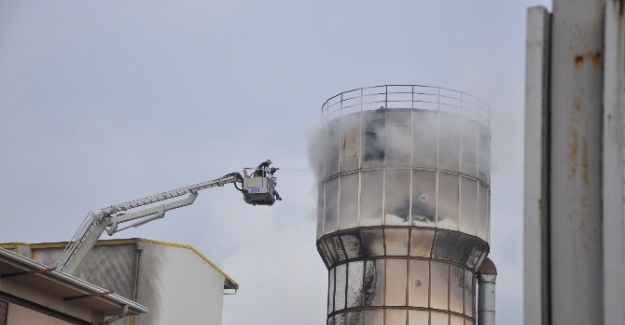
[[456, 320], [469, 294], [397, 197], [331, 277], [373, 136], [349, 201], [325, 253], [456, 289], [394, 316], [332, 146], [371, 194], [439, 286], [339, 319], [374, 282], [337, 247], [398, 139], [439, 318], [425, 139], [396, 282], [355, 317], [418, 283], [351, 244], [464, 246], [340, 287], [320, 210], [423, 198], [444, 244], [331, 205], [396, 241], [418, 317], [350, 142], [483, 222], [421, 242], [484, 156], [470, 152], [448, 201], [374, 317], [373, 240], [449, 142], [468, 209], [329, 244], [319, 151], [355, 276]]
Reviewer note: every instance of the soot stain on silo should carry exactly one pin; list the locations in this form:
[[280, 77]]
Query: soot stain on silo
[[370, 283]]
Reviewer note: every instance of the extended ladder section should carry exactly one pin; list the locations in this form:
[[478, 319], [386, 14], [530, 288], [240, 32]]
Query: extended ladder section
[[226, 179], [93, 224], [108, 218]]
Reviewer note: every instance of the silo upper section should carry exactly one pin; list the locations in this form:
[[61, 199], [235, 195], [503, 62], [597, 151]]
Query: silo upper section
[[400, 155]]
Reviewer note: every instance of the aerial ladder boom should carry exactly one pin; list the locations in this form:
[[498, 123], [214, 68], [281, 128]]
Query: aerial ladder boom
[[110, 218]]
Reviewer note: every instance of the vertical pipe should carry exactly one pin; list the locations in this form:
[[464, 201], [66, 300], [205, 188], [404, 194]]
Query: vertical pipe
[[486, 279]]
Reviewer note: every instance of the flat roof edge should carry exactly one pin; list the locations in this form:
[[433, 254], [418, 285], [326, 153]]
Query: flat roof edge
[[229, 282]]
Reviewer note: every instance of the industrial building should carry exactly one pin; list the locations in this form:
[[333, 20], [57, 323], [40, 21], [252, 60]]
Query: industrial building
[[176, 282], [403, 211]]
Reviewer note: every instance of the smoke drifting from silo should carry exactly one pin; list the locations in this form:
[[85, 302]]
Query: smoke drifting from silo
[[424, 139], [314, 150]]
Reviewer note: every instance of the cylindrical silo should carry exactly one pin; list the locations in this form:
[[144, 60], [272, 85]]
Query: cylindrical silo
[[403, 215]]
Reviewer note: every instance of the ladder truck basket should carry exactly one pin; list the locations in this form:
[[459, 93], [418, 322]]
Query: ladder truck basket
[[259, 187]]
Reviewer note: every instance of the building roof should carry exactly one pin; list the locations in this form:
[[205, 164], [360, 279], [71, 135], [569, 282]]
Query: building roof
[[229, 283], [64, 285]]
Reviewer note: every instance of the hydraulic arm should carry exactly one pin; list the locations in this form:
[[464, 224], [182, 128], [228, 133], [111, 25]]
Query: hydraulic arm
[[111, 217]]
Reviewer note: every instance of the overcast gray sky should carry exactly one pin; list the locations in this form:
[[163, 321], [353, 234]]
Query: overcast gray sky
[[103, 102]]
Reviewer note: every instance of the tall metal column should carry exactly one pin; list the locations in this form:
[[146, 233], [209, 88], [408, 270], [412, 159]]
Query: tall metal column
[[576, 265], [574, 242], [536, 250]]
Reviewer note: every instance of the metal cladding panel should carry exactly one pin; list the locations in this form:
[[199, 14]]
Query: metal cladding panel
[[178, 286], [110, 267]]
